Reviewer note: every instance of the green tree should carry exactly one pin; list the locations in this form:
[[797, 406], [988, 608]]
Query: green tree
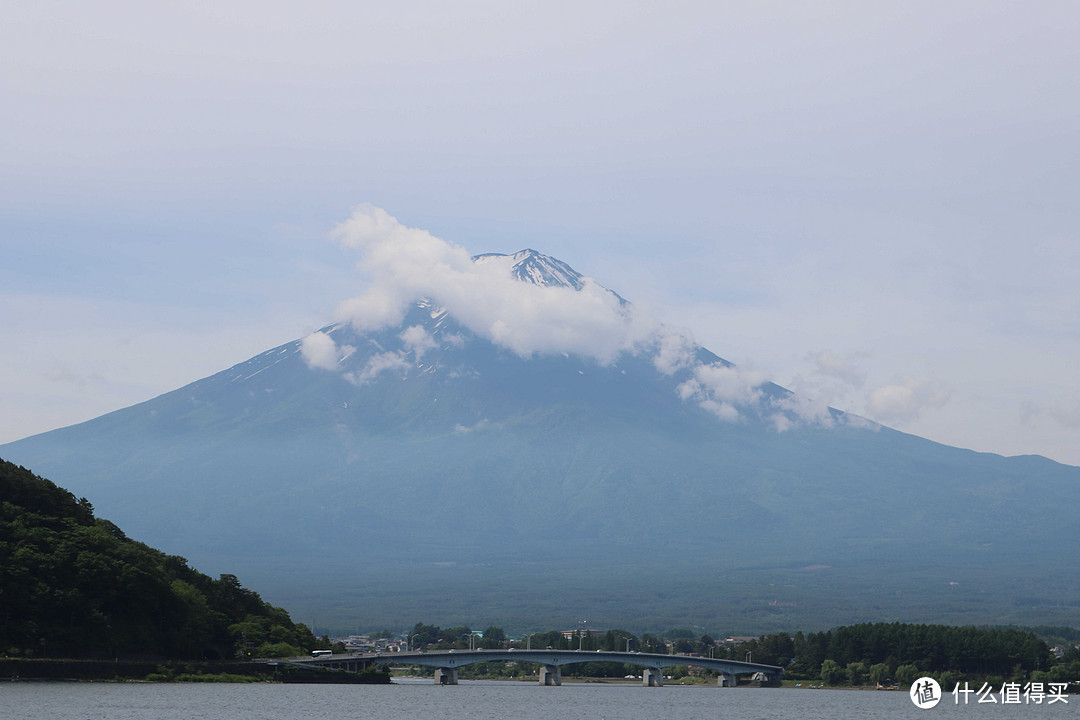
[[683, 645], [831, 672], [855, 673], [423, 635], [807, 664], [494, 637], [455, 637], [652, 644], [277, 649], [906, 675], [775, 649], [879, 673], [195, 633]]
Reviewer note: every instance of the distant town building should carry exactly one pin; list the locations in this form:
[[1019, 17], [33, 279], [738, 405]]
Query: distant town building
[[569, 634]]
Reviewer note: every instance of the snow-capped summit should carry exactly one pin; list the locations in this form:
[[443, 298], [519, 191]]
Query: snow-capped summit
[[535, 267]]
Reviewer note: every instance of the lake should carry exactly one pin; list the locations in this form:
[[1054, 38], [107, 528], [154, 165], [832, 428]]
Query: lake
[[408, 699]]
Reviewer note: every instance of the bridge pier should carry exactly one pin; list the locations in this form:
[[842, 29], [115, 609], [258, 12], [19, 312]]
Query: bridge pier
[[727, 680], [652, 677], [446, 676], [550, 675]]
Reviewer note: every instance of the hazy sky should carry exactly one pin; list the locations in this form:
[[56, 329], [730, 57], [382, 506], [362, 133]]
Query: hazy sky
[[871, 203]]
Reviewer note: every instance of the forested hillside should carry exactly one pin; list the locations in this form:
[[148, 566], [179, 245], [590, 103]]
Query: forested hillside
[[72, 585]]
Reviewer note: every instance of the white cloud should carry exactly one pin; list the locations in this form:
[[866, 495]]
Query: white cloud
[[723, 410], [841, 367], [372, 310], [730, 383], [483, 424], [406, 264], [418, 341], [379, 363], [830, 380], [721, 389], [320, 351], [675, 350], [905, 400], [795, 408]]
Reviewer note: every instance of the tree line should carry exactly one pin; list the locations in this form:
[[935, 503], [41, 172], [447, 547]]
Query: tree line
[[899, 653], [857, 655], [73, 585]]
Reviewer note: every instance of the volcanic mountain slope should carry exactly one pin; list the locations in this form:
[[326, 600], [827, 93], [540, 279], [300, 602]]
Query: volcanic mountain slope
[[425, 471]]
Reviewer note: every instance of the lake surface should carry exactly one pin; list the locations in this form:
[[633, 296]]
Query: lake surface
[[477, 700]]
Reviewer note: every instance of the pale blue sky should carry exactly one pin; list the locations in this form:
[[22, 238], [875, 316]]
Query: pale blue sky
[[871, 202]]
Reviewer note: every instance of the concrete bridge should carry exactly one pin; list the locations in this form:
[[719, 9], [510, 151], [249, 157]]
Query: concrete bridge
[[446, 663]]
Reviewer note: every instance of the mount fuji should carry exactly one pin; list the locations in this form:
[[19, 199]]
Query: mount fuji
[[443, 465]]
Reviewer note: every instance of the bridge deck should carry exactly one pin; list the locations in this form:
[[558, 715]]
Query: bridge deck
[[551, 658]]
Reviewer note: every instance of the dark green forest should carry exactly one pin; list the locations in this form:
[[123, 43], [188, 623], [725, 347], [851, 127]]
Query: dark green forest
[[884, 653], [74, 586]]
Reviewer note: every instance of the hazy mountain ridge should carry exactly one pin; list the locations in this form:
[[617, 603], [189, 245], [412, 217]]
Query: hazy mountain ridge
[[435, 445]]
